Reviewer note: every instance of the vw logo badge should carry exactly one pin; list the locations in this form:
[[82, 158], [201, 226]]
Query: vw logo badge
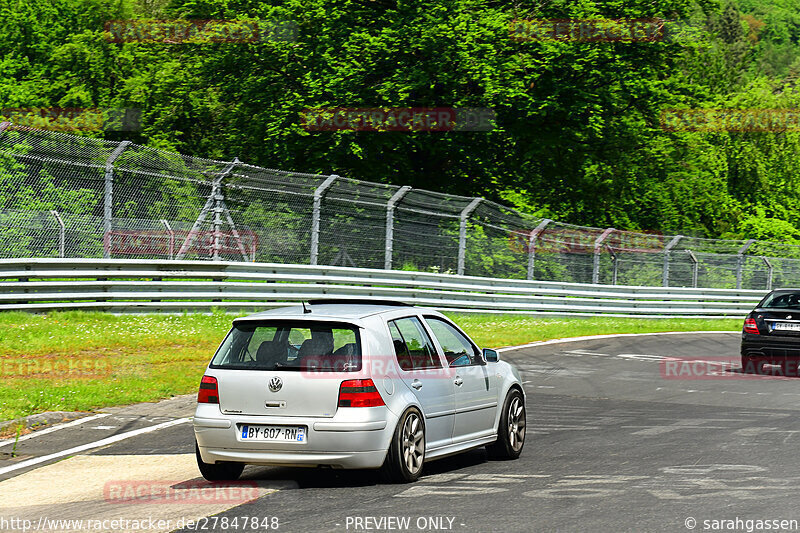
[[275, 384]]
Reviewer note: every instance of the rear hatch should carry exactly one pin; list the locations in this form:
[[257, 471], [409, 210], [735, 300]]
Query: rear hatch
[[248, 392], [285, 368], [779, 323]]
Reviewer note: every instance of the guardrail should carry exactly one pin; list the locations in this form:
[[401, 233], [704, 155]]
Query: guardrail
[[122, 286]]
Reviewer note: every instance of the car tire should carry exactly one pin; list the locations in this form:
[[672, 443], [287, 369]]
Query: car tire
[[218, 471], [511, 431], [406, 453]]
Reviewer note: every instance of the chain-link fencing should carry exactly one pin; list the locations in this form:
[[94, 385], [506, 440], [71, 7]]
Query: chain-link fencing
[[68, 196]]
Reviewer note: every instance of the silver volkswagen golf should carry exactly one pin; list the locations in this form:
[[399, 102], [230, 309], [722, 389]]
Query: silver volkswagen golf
[[353, 384]]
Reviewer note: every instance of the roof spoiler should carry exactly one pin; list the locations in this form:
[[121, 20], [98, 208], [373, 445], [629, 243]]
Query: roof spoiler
[[359, 301]]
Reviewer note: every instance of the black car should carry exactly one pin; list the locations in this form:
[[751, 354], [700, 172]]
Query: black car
[[771, 333]]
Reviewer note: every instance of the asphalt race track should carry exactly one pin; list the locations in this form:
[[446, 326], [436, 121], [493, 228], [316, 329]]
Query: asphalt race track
[[618, 440]]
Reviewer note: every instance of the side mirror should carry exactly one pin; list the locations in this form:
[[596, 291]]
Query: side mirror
[[490, 356]]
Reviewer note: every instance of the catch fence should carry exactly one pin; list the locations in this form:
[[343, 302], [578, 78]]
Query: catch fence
[[70, 196]]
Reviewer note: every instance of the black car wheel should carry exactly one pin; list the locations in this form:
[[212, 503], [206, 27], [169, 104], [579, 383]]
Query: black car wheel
[[218, 471], [407, 451], [511, 431]]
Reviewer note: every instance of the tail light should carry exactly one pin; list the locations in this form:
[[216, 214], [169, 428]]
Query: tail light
[[359, 393], [750, 326], [208, 392]]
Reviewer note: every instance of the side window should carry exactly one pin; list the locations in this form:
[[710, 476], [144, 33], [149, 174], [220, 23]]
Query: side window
[[458, 350], [412, 346]]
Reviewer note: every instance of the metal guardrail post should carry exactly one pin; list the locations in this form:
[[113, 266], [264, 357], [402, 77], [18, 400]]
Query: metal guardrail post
[[532, 245], [462, 234], [108, 196], [695, 265], [393, 201], [171, 238], [740, 261], [769, 272], [316, 212], [670, 246], [598, 242], [61, 233]]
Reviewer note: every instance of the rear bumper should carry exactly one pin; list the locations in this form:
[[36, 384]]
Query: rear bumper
[[373, 459], [770, 349], [354, 438]]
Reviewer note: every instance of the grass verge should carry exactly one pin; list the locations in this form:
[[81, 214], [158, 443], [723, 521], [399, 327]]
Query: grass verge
[[77, 361]]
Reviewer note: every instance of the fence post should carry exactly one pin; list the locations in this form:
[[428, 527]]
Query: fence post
[[769, 272], [462, 233], [316, 212], [598, 242], [61, 233], [171, 238], [393, 201], [670, 246], [532, 245], [740, 261], [108, 196], [695, 264]]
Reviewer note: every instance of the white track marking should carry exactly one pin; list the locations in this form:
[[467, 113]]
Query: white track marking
[[583, 352], [45, 431], [93, 445], [609, 336]]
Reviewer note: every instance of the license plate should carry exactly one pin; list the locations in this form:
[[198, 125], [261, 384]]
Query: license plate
[[786, 326], [274, 433]]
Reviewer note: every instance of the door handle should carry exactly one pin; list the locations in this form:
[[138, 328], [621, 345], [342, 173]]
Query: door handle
[[458, 381], [417, 384]]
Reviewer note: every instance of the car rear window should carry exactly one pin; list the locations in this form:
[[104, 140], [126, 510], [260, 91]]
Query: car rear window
[[782, 300], [291, 346]]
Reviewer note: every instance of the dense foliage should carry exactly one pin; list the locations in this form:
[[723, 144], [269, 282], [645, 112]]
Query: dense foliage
[[578, 135]]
